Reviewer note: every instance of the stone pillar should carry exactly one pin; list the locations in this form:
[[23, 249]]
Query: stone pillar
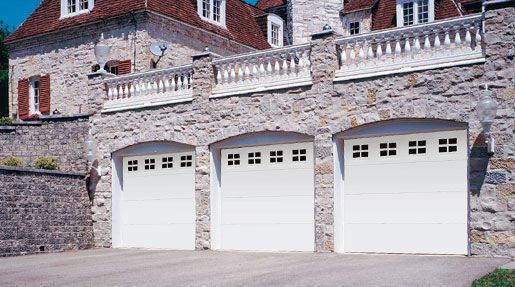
[[97, 92], [324, 63], [203, 79], [306, 17]]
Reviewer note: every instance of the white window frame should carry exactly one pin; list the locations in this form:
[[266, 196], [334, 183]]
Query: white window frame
[[272, 20], [78, 11], [211, 18], [350, 27], [34, 93], [400, 11]]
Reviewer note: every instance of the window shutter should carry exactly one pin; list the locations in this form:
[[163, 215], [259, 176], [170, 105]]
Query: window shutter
[[23, 97], [44, 94], [124, 67]]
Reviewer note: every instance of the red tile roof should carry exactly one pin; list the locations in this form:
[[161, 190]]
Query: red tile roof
[[267, 4], [241, 26], [355, 5]]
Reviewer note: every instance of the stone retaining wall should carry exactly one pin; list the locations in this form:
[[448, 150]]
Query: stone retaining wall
[[43, 212], [60, 137]]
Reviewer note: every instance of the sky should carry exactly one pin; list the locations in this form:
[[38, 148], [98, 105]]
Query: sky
[[13, 12]]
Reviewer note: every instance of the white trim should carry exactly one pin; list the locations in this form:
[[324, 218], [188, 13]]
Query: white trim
[[210, 19], [32, 104], [64, 9], [273, 19]]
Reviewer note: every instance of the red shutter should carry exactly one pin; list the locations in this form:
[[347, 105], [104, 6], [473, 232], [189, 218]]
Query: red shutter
[[44, 94], [23, 98], [124, 67]]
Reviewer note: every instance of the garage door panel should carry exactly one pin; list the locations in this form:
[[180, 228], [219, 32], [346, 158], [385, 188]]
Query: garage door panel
[[177, 236], [168, 186], [448, 207], [274, 210], [416, 177], [266, 237], [161, 211], [406, 238], [285, 182]]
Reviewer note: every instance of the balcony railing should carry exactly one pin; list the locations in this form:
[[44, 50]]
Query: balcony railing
[[433, 45], [261, 71], [426, 46], [157, 87]]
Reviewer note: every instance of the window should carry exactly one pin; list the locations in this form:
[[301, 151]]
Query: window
[[411, 12], [275, 30], [276, 156], [233, 159], [34, 100], [275, 34], [359, 151], [150, 163], [186, 161], [254, 158], [417, 147], [132, 165], [212, 11], [448, 145], [75, 7], [167, 162], [299, 155], [354, 28], [388, 149]]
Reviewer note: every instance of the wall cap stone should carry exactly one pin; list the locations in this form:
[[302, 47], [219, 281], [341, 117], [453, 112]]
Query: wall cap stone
[[323, 34], [40, 171], [73, 117]]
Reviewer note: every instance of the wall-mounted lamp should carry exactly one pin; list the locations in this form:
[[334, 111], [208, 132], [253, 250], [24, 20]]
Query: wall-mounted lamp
[[487, 110], [94, 173], [102, 52]]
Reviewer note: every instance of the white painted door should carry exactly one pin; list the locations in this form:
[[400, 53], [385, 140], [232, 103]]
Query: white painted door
[[406, 194], [158, 201], [267, 198]]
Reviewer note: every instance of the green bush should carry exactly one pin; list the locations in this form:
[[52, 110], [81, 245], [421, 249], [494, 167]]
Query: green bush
[[46, 162], [13, 162], [6, 122], [498, 278]]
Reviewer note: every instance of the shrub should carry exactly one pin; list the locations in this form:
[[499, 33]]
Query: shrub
[[498, 278], [6, 121], [46, 162], [13, 162]]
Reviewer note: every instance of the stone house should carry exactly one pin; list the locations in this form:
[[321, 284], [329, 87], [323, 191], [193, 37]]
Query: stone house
[[370, 142]]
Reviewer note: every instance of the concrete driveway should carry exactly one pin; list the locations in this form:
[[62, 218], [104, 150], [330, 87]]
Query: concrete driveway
[[115, 267]]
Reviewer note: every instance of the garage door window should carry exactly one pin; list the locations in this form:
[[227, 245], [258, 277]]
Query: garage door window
[[132, 165], [167, 162], [233, 159], [276, 156], [448, 145], [359, 151], [254, 158], [150, 164], [186, 161], [299, 155], [417, 147], [388, 149]]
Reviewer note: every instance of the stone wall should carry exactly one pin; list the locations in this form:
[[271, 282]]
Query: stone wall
[[68, 56], [327, 108], [306, 17], [60, 137], [43, 212]]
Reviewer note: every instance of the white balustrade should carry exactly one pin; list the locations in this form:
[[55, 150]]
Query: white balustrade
[[150, 88], [264, 70], [432, 45]]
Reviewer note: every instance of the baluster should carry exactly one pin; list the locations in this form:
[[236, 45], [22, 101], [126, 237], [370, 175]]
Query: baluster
[[119, 90], [389, 49], [269, 70], [361, 54], [167, 84], [233, 73], [407, 48], [125, 90], [173, 84], [255, 71], [343, 56], [161, 85], [132, 89], [142, 87], [149, 86], [240, 72], [225, 69], [110, 93], [447, 41], [352, 55], [277, 67], [137, 89], [379, 50], [398, 49], [285, 66], [478, 39], [370, 52], [457, 39], [437, 45], [218, 75], [468, 38], [427, 45], [416, 48], [155, 87], [262, 71], [293, 65], [247, 71]]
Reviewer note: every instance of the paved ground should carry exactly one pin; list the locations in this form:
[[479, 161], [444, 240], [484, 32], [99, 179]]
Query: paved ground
[[110, 267]]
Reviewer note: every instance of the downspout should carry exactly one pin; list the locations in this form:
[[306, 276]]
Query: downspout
[[134, 40], [11, 74]]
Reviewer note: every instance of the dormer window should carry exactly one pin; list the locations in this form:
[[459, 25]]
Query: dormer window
[[275, 27], [412, 12], [212, 11], [70, 8]]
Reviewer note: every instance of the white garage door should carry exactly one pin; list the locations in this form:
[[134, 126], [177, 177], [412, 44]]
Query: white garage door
[[158, 201], [267, 199], [406, 194]]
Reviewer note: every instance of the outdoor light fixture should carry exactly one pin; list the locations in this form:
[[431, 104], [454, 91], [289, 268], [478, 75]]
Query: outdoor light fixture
[[94, 174], [487, 110], [90, 148], [102, 52]]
